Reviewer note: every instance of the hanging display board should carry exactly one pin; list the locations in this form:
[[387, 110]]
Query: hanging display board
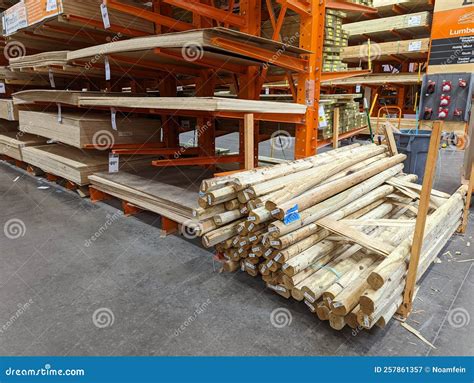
[[452, 37]]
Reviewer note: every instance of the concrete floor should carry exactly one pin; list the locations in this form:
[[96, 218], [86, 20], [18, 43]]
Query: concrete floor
[[131, 292]]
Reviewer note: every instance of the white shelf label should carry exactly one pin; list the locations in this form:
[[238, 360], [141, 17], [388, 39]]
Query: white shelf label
[[107, 68], [414, 46], [323, 123], [113, 118], [3, 90], [60, 113], [414, 21], [51, 5], [51, 79], [105, 16], [113, 163]]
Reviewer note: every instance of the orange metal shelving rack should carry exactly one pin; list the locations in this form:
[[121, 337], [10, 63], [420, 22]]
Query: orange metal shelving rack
[[250, 81]]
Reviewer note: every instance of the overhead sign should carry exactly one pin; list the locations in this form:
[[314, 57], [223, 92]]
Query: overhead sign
[[452, 37]]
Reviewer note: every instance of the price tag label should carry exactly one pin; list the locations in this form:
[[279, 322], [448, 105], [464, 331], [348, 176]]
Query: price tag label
[[323, 123], [113, 118], [51, 79], [113, 163], [414, 46], [414, 21], [358, 87], [3, 89], [60, 113], [51, 5], [107, 68], [105, 16]]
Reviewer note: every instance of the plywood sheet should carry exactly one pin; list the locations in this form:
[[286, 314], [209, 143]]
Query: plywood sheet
[[12, 143], [158, 190], [74, 164], [82, 129]]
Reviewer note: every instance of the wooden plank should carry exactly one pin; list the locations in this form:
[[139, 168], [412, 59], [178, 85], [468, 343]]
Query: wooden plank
[[470, 190], [378, 79], [414, 49], [335, 135], [356, 236], [423, 208], [413, 22], [392, 145], [92, 129], [249, 149]]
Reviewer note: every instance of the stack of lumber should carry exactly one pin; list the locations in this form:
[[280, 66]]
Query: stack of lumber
[[129, 100], [414, 49], [85, 129], [415, 23], [84, 14], [12, 143], [350, 117], [335, 40], [160, 191], [73, 164], [332, 230]]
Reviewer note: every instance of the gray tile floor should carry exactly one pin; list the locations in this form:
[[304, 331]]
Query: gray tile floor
[[132, 292]]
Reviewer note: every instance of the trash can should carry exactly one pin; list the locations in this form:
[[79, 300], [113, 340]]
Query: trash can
[[415, 145]]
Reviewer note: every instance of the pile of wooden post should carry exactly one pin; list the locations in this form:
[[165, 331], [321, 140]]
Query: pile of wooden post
[[332, 230]]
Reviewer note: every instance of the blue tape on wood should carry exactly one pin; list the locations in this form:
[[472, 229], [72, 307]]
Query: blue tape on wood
[[291, 215]]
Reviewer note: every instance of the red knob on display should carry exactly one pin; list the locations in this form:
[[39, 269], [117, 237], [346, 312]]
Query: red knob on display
[[443, 113], [445, 100], [447, 86], [462, 83], [458, 112]]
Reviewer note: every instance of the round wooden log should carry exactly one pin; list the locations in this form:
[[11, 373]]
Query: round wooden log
[[320, 193], [227, 217], [231, 266]]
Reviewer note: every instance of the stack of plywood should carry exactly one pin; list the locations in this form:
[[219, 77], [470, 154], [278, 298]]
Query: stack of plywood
[[159, 191], [12, 143], [83, 14], [333, 231], [90, 129], [74, 164]]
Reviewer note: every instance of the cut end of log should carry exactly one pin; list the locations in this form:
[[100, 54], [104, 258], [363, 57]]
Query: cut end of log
[[375, 280]]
